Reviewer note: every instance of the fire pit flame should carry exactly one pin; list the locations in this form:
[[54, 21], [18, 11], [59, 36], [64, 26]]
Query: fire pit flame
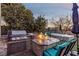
[[41, 37]]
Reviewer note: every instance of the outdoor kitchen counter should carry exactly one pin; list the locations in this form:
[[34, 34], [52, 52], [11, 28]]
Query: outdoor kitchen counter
[[12, 41], [12, 47]]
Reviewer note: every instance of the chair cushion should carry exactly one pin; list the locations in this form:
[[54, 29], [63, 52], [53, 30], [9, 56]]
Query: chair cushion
[[45, 53], [62, 45], [71, 40], [52, 52]]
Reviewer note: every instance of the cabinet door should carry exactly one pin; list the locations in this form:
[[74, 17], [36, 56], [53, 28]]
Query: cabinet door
[[16, 47]]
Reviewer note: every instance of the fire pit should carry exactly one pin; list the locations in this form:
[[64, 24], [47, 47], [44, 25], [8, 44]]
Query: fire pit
[[43, 42], [47, 42]]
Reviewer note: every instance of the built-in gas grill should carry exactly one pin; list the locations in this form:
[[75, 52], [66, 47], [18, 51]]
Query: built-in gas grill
[[17, 35], [17, 41]]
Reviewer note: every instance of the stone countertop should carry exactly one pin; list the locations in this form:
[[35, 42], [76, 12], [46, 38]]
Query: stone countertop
[[12, 41], [47, 42]]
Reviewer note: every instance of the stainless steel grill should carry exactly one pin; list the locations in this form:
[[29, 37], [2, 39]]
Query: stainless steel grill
[[17, 34]]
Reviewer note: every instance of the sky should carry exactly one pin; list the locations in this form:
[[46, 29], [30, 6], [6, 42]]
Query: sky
[[50, 10]]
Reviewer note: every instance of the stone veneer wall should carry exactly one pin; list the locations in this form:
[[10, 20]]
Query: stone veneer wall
[[3, 48], [9, 48], [16, 47]]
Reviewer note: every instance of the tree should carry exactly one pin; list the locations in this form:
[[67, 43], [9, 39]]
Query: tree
[[59, 24], [67, 24], [63, 24], [17, 16], [40, 24]]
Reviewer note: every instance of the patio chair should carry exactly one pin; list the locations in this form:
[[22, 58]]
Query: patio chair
[[56, 51], [69, 48], [60, 50]]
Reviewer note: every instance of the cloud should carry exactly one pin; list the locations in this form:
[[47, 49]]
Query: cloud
[[50, 9], [66, 5], [61, 4]]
